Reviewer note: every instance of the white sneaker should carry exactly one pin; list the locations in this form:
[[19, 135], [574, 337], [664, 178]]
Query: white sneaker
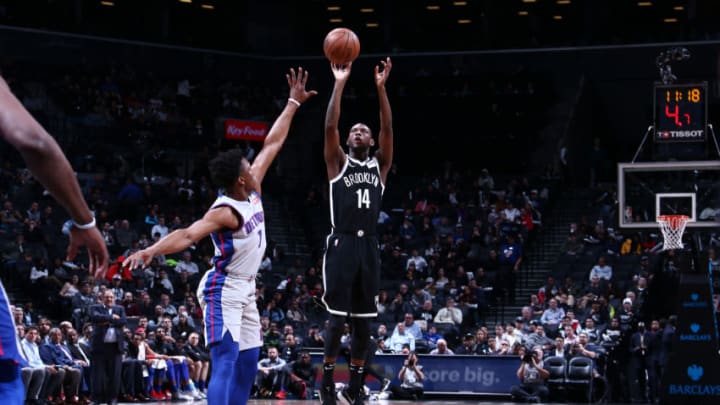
[[186, 396]]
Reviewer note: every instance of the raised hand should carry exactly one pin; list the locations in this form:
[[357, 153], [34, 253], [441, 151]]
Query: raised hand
[[381, 76], [141, 258], [341, 72], [95, 245], [297, 84]]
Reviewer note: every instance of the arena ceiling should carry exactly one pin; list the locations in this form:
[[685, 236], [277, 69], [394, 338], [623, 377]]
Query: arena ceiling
[[277, 27]]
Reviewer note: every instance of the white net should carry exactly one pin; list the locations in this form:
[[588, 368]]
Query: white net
[[672, 227]]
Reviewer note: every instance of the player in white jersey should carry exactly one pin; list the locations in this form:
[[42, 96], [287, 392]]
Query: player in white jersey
[[235, 222]]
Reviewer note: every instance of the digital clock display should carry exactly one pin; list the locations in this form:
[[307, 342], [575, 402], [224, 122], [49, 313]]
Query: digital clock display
[[680, 112]]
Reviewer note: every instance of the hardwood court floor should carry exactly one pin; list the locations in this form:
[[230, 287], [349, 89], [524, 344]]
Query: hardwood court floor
[[381, 402]]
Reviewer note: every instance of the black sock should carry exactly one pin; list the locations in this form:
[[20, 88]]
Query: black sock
[[328, 369], [356, 373]]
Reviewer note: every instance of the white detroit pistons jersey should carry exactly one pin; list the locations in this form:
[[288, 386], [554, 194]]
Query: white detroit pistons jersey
[[240, 251], [227, 292]]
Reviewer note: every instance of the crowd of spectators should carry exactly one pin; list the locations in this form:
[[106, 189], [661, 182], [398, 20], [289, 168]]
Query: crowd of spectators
[[452, 244]]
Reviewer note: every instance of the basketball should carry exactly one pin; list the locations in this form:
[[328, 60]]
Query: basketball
[[341, 46]]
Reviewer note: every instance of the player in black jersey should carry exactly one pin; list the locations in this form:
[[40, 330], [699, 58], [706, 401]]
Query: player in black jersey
[[351, 268]]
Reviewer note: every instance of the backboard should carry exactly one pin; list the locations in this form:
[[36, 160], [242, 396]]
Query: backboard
[[649, 189]]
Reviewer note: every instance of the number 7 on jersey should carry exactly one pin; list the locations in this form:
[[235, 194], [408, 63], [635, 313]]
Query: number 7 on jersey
[[363, 198]]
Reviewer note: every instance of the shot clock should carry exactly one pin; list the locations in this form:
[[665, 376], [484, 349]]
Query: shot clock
[[680, 112]]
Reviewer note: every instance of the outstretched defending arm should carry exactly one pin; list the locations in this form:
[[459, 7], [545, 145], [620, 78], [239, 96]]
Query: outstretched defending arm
[[279, 131], [334, 155], [384, 153], [46, 161]]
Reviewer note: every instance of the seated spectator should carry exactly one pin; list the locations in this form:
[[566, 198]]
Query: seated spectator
[[552, 316], [512, 335], [536, 306], [570, 336], [58, 355], [593, 334], [532, 377], [301, 375], [572, 246], [314, 337], [559, 349], [187, 265], [432, 336], [449, 318], [198, 354], [427, 313], [39, 379], [602, 270], [538, 338], [411, 326], [268, 381], [468, 345], [482, 345], [442, 348], [399, 338]]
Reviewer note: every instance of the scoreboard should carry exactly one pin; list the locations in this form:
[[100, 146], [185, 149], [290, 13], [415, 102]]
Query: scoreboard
[[680, 112]]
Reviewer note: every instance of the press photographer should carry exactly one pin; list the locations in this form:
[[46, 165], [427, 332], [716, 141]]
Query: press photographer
[[532, 376], [412, 378]]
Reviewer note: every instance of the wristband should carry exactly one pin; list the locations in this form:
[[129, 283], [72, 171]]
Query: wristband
[[85, 226], [292, 100]]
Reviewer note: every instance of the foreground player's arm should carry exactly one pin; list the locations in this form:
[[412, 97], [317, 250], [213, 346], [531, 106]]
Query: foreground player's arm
[[384, 153], [214, 220], [334, 155], [48, 164], [279, 131]]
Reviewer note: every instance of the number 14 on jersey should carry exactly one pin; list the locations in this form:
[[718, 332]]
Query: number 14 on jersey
[[363, 195]]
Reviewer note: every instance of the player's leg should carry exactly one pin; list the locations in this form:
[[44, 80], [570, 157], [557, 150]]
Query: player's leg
[[339, 266], [224, 355], [245, 368], [364, 308], [12, 389]]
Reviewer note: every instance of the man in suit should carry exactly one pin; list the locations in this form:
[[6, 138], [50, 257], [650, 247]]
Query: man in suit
[[108, 320], [57, 354], [81, 354]]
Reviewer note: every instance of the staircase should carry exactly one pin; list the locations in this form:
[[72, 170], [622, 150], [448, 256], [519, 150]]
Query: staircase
[[543, 253], [284, 229]]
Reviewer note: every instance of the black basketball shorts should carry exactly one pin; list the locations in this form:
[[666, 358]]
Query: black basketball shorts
[[351, 275]]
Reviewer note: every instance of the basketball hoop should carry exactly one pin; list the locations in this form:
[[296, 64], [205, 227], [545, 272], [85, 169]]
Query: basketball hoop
[[672, 227]]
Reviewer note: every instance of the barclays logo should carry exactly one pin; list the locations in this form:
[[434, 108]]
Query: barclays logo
[[695, 372], [694, 336], [694, 303]]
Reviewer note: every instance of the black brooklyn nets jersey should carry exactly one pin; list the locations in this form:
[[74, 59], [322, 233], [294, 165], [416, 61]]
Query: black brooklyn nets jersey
[[355, 196]]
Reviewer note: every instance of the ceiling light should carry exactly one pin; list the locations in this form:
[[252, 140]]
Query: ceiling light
[[464, 21], [557, 17], [333, 8], [670, 20], [563, 1], [459, 3], [679, 8], [433, 8], [107, 3], [336, 20], [208, 7], [186, 1], [372, 25], [367, 10], [529, 1], [522, 12], [644, 3]]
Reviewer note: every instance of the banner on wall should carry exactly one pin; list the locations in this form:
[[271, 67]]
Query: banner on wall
[[444, 374], [246, 130]]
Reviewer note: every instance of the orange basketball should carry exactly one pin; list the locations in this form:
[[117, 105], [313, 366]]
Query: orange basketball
[[341, 46]]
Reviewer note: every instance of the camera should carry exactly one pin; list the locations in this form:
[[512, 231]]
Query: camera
[[411, 363], [528, 357]]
